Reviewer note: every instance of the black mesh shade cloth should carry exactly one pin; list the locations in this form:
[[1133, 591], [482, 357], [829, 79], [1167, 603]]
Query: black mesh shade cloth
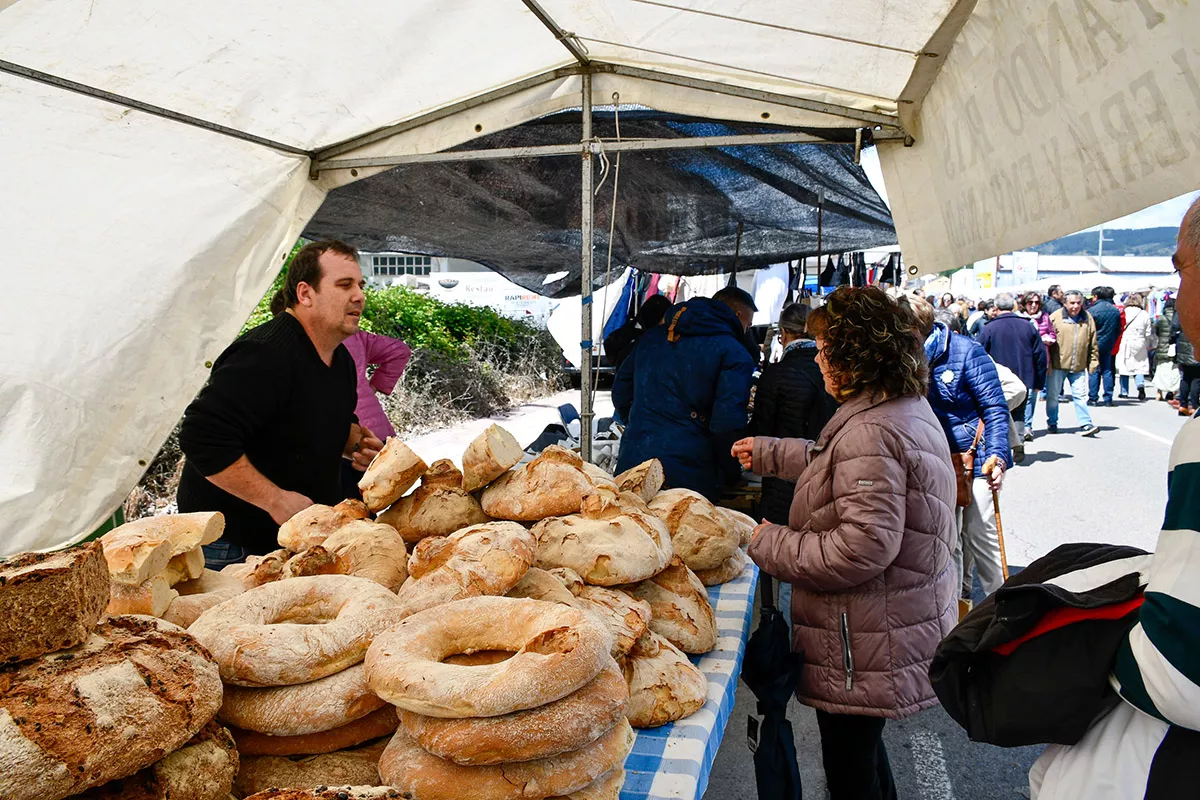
[[677, 210]]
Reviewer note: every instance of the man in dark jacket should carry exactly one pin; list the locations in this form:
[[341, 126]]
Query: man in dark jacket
[[684, 390], [1108, 330], [1054, 298], [1014, 342]]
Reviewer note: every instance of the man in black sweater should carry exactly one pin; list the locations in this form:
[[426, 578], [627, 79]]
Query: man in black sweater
[[265, 437]]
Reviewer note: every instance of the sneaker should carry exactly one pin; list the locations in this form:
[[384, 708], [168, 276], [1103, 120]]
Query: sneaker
[[1108, 403], [1089, 430], [1018, 454], [1028, 436], [1092, 403], [1052, 429]]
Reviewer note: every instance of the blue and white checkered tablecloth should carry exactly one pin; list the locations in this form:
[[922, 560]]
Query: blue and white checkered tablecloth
[[674, 761]]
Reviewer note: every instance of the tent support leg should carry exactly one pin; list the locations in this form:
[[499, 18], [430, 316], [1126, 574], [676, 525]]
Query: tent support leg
[[586, 222]]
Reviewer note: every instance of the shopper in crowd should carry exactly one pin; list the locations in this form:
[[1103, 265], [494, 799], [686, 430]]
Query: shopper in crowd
[[1073, 358], [620, 342], [1133, 352], [968, 399], [1012, 341], [1188, 395], [1166, 373], [684, 392], [867, 546], [790, 403], [1041, 321], [946, 300], [265, 437], [978, 318], [1108, 330], [1054, 298]]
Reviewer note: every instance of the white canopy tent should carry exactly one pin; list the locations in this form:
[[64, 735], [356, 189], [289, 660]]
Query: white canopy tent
[[160, 159]]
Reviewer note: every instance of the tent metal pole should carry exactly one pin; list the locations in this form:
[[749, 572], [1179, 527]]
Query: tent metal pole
[[568, 40], [586, 197]]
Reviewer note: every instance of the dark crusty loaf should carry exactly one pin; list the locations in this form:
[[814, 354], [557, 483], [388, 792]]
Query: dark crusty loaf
[[138, 689], [203, 769], [50, 601]]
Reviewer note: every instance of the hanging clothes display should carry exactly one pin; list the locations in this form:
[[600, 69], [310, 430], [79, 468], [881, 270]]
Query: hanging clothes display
[[860, 269], [891, 271], [843, 271], [828, 275]]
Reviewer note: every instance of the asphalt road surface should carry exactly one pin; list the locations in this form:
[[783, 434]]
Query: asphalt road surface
[[1111, 488]]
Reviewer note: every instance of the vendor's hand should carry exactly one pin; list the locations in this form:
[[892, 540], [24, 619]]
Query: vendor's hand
[[743, 451], [368, 447], [287, 505]]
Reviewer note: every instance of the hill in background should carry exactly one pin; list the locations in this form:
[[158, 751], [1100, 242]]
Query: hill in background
[[1125, 242]]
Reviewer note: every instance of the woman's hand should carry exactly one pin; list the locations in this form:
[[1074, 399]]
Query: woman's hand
[[758, 529], [743, 451]]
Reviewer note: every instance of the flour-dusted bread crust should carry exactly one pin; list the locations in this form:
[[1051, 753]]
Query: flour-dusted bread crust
[[202, 769], [550, 485], [259, 570], [199, 595], [50, 601], [663, 685], [606, 787], [626, 616], [407, 767], [701, 537], [679, 607], [374, 725], [355, 767], [743, 524], [490, 558], [573, 722], [332, 793], [733, 567], [295, 631], [433, 509], [137, 689], [151, 598], [611, 542], [538, 584], [390, 475], [644, 480], [330, 702], [315, 560], [313, 525], [141, 549], [488, 457], [370, 550]]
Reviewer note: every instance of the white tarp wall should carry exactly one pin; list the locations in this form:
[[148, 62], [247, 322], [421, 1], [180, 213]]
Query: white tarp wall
[[1048, 117]]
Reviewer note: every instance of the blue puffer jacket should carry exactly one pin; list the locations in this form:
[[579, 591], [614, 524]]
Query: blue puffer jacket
[[684, 390], [964, 386], [1108, 325]]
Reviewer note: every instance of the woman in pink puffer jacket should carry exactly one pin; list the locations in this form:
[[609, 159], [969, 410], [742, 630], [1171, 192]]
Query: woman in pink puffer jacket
[[867, 548]]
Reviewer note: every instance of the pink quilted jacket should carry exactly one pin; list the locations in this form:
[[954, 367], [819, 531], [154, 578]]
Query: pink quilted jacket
[[867, 551]]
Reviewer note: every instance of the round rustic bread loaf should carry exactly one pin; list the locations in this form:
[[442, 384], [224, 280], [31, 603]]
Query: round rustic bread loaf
[[734, 566], [606, 787], [489, 457], [313, 525], [438, 507], [700, 536], [550, 485], [743, 524], [663, 685], [490, 558], [50, 601], [577, 720], [644, 480], [391, 473], [137, 689], [612, 541], [626, 616], [538, 584], [679, 608], [557, 649], [330, 702], [202, 769], [370, 550], [374, 725], [356, 767], [406, 766], [295, 631]]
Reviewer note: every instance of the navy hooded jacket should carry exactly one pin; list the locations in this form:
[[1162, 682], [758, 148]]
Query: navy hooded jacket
[[1108, 325], [684, 390], [1014, 342], [963, 387]]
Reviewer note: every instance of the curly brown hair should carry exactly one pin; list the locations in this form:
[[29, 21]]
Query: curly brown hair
[[870, 344]]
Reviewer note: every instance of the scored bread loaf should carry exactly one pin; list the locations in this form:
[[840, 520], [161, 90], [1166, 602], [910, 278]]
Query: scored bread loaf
[[626, 616], [679, 607], [313, 525], [644, 480], [663, 685], [550, 485], [391, 473], [202, 769], [489, 456], [743, 524], [358, 766], [370, 550], [141, 549], [137, 688], [734, 566], [50, 601], [701, 537], [538, 584], [438, 507]]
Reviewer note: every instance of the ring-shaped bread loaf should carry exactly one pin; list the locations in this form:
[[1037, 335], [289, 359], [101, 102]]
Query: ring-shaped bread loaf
[[330, 702], [297, 630], [374, 725], [355, 767], [557, 650], [406, 766], [573, 722]]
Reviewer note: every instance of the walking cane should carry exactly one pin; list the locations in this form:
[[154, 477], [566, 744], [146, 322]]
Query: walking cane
[[988, 466]]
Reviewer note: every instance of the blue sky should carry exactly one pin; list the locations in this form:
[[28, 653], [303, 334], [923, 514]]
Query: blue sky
[[1165, 214]]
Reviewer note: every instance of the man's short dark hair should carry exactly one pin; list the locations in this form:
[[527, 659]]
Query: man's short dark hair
[[735, 298], [983, 305], [1054, 287], [652, 311], [1104, 293], [306, 268]]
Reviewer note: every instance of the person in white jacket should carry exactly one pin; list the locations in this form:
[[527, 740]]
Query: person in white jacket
[[1133, 354], [1149, 746]]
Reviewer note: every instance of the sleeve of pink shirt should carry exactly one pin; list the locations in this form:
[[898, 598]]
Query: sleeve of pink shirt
[[390, 355]]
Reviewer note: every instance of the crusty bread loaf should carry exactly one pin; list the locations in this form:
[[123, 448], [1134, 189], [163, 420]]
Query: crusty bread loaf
[[370, 550], [135, 558], [743, 524], [259, 570], [374, 725], [134, 550], [185, 566], [50, 601], [199, 595], [663, 685], [538, 584], [305, 708], [608, 543], [391, 473], [644, 480], [550, 485], [443, 473], [734, 566], [136, 689], [313, 525], [626, 616], [334, 793], [488, 457], [606, 787], [679, 607], [202, 769], [700, 536], [151, 598], [598, 476], [433, 509], [358, 766]]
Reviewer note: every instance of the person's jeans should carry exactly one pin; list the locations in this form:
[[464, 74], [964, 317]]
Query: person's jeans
[[222, 554], [1030, 405], [1079, 390], [1105, 372], [1189, 386], [784, 603], [1139, 382], [856, 762]]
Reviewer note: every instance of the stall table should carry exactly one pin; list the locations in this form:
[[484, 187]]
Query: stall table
[[674, 761]]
